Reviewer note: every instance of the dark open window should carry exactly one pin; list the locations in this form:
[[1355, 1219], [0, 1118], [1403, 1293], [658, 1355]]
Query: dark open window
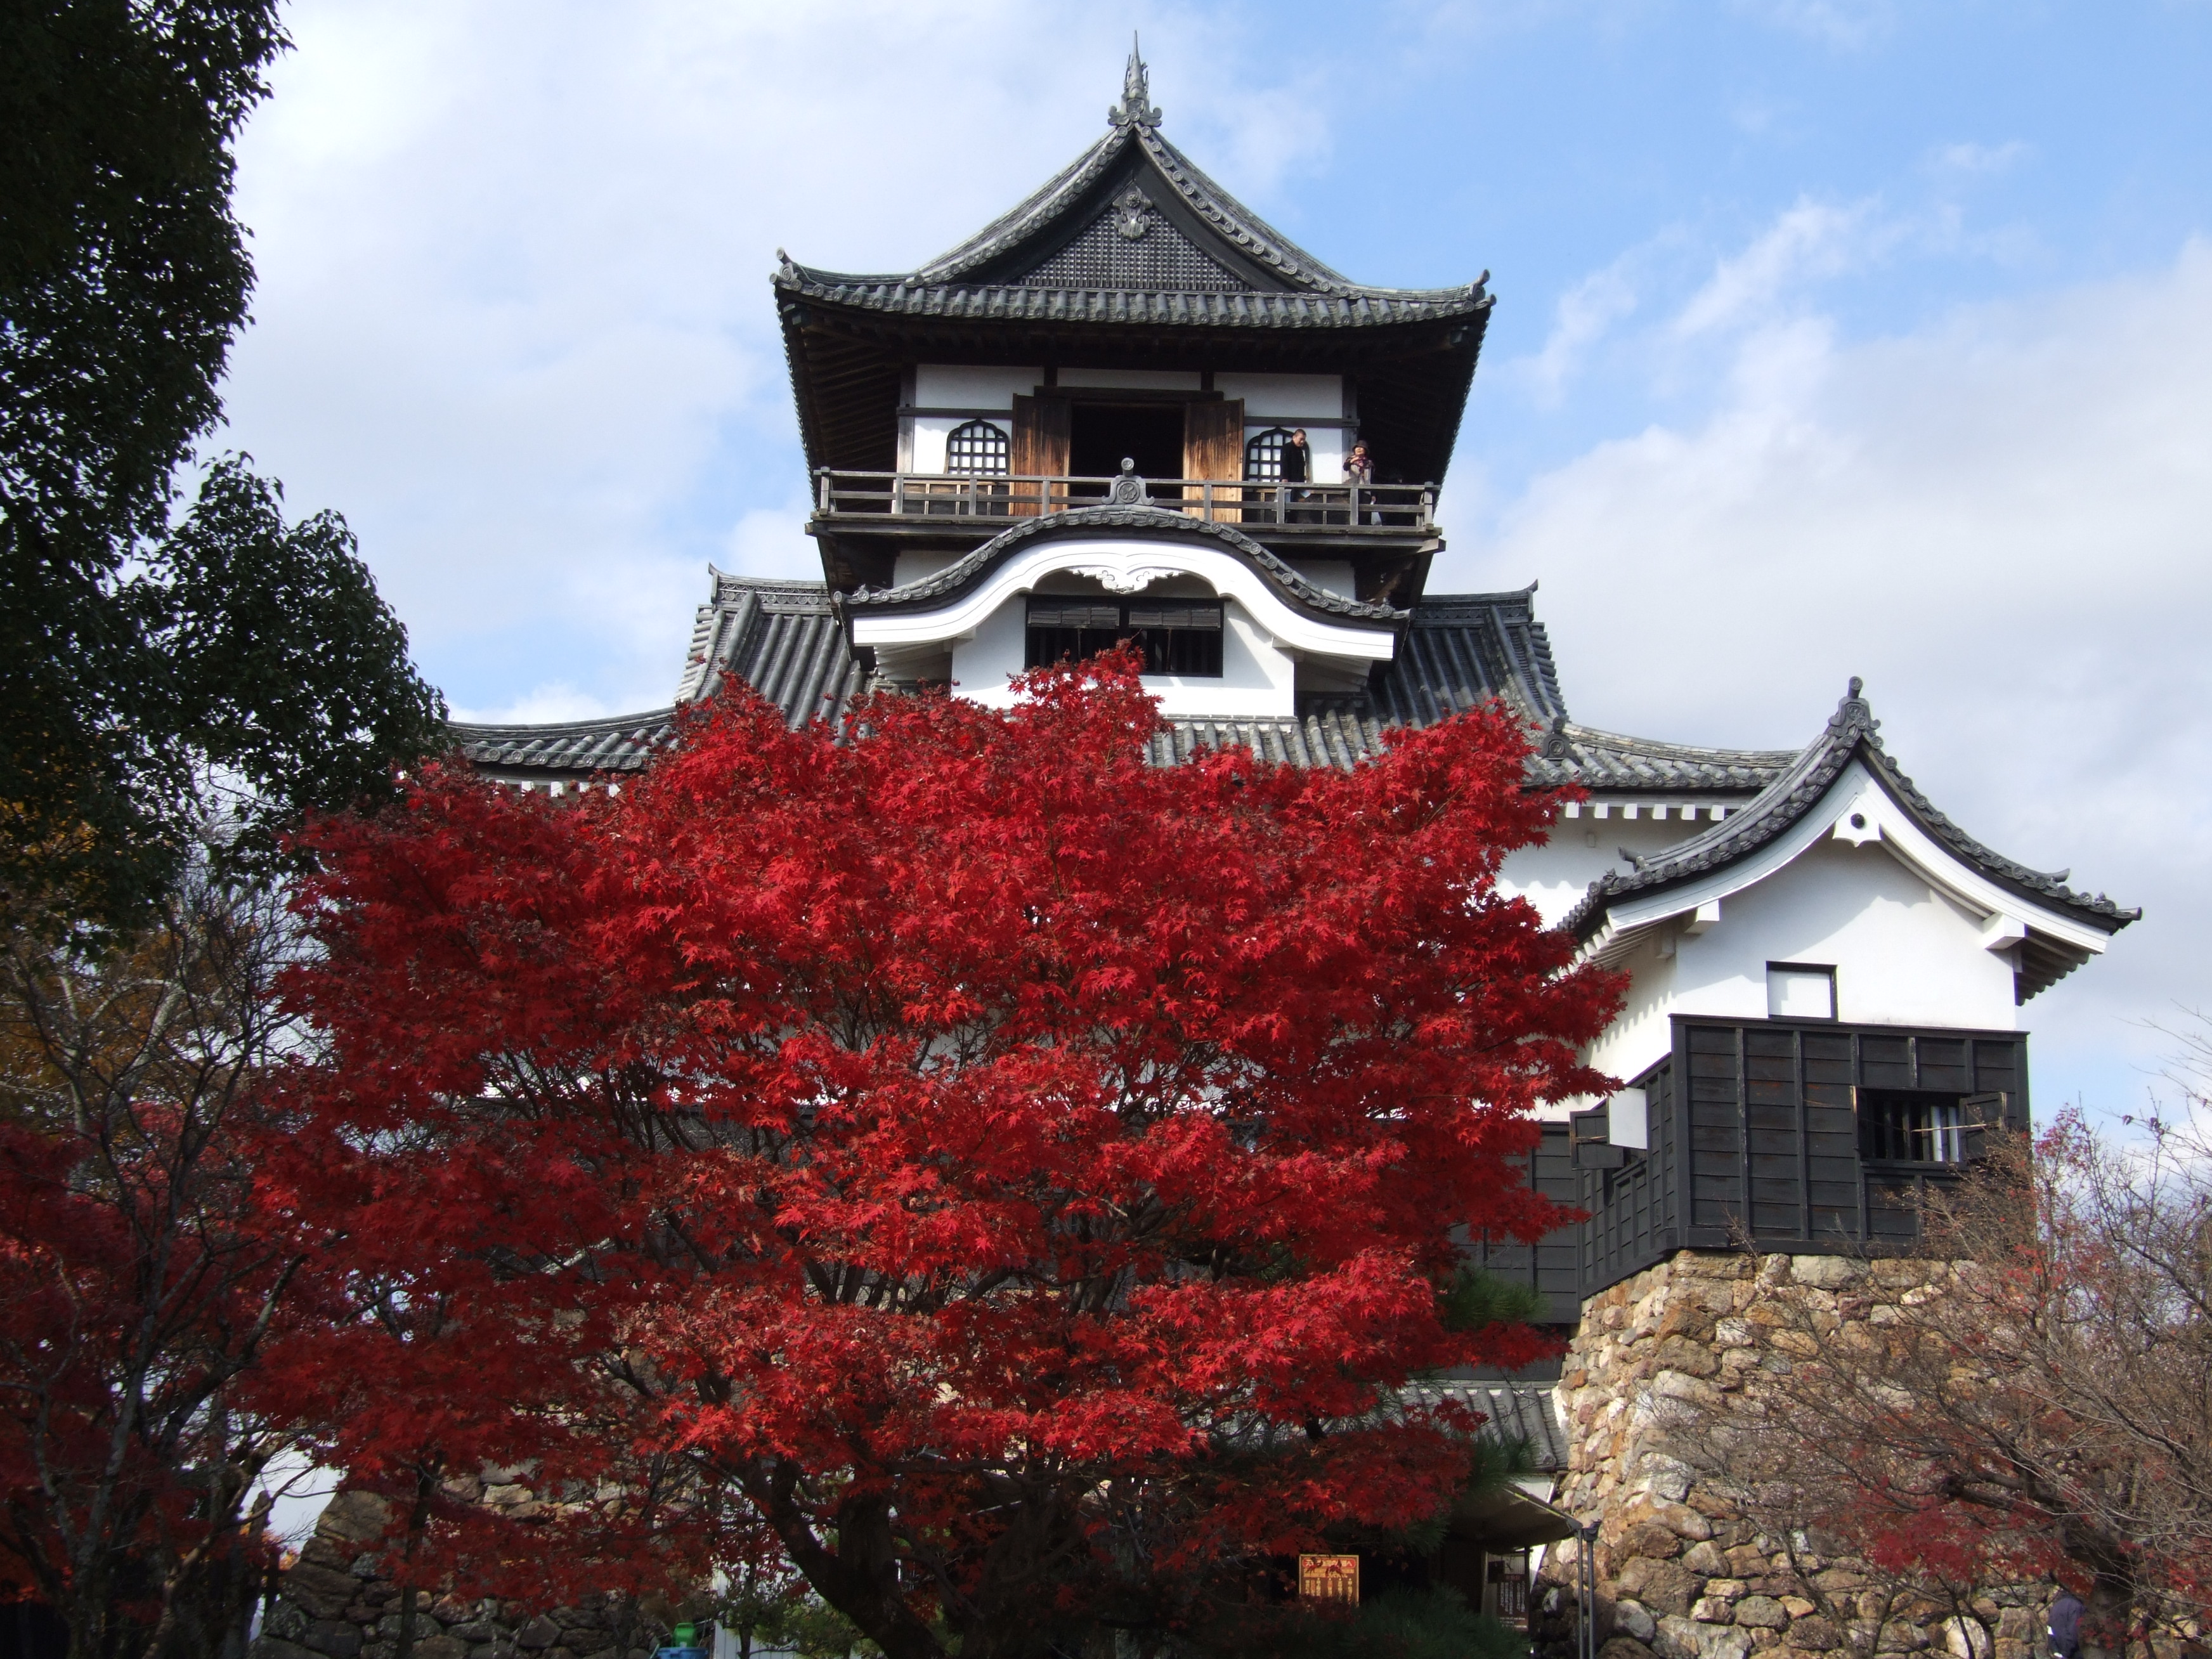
[[1263, 455], [1913, 1125], [1178, 636], [976, 450]]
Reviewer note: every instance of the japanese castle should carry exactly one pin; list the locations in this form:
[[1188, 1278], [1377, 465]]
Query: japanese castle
[[1083, 425]]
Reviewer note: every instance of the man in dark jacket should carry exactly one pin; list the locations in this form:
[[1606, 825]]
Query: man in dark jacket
[[2066, 1626], [1297, 469]]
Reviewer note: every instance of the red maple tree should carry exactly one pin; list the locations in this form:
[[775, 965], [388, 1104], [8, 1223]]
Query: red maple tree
[[1013, 1179]]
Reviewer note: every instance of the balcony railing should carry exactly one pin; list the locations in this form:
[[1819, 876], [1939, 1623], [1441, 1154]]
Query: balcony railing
[[1390, 508]]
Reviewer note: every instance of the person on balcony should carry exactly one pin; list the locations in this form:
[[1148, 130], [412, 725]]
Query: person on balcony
[[1297, 469], [1359, 472]]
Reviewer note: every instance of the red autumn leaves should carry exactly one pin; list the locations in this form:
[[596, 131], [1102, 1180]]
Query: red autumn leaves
[[1011, 1178]]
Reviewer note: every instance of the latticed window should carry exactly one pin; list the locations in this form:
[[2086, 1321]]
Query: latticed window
[[976, 450], [1177, 636], [1263, 455]]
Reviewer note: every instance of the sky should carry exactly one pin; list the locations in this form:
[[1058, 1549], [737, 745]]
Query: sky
[[1832, 338]]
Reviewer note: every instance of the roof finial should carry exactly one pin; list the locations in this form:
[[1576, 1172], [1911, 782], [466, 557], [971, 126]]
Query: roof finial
[[1135, 108]]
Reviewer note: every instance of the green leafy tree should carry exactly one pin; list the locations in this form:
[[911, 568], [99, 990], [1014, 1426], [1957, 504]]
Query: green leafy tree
[[144, 663]]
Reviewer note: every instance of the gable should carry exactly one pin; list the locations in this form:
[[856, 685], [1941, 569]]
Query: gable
[[1133, 246]]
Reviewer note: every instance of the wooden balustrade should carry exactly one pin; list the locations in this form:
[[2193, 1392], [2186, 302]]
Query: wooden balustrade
[[1390, 508]]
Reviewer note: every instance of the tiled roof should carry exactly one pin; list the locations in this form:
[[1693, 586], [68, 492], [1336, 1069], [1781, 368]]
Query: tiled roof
[[1152, 310], [966, 571], [576, 749], [1457, 652], [1020, 266], [1852, 733]]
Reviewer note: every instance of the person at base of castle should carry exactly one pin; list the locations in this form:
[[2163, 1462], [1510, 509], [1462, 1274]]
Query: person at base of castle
[[2066, 1626]]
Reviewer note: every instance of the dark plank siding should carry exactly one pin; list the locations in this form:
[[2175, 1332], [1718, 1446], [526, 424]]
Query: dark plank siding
[[1755, 1138], [1634, 1219], [1552, 1265]]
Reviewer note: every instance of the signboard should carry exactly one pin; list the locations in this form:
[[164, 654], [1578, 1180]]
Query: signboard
[[1329, 1577]]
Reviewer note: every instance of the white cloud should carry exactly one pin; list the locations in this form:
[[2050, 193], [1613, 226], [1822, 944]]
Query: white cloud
[[1848, 24], [1979, 161], [1811, 240], [514, 317], [2004, 522], [1584, 314]]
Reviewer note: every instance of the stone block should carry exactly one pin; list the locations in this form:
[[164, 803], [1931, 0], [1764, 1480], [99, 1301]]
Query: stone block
[[1798, 1606], [1635, 1618], [1711, 1610], [354, 1517], [273, 1647], [540, 1633], [1707, 1560], [1680, 1353], [1649, 1538], [1685, 1639], [1663, 1586], [1624, 1647], [2017, 1624], [2011, 1647], [440, 1647], [1761, 1612], [1746, 1561], [1690, 1390], [1966, 1639], [334, 1636], [474, 1630], [1726, 1588], [1815, 1632], [287, 1622], [325, 1592], [1828, 1273]]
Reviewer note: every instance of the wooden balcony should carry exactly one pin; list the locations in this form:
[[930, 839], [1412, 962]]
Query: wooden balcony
[[897, 499]]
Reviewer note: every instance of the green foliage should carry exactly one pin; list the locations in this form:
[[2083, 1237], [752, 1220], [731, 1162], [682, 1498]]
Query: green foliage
[[1476, 1298], [246, 671], [1404, 1624], [145, 668]]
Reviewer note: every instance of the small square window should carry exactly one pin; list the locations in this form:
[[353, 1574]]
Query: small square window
[[1800, 990]]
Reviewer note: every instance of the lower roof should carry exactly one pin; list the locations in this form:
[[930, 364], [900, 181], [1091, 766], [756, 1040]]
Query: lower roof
[[1459, 651]]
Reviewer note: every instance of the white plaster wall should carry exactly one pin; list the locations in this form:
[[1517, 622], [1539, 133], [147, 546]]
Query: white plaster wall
[[1555, 876], [1903, 954], [1256, 677], [1133, 379], [914, 566], [1332, 575], [962, 385], [1272, 398], [927, 446]]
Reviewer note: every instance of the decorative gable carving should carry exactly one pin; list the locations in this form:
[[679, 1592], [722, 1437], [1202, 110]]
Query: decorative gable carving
[[1132, 245]]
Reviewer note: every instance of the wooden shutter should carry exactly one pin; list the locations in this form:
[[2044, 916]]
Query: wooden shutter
[[1213, 447], [1039, 450], [1977, 1115]]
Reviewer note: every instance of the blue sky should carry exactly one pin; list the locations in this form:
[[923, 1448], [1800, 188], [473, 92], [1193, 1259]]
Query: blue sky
[[1833, 337]]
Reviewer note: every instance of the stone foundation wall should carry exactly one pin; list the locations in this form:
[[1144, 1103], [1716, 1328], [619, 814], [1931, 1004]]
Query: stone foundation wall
[[333, 1603], [1682, 1573]]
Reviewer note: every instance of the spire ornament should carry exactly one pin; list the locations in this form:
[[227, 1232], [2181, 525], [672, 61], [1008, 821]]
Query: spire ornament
[[1135, 109]]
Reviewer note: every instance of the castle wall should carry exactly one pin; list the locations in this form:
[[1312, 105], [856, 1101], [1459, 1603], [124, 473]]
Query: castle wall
[[1682, 1573]]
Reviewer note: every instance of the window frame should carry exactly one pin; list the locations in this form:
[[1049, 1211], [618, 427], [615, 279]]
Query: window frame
[[1002, 443], [1124, 626], [1809, 970], [1281, 435]]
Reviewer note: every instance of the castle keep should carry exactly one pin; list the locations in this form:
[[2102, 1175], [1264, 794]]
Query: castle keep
[[1127, 409]]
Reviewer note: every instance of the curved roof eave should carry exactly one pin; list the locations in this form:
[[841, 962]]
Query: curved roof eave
[[1851, 733], [934, 591]]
